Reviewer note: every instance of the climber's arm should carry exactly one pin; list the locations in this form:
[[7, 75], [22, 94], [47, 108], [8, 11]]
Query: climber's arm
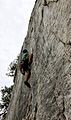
[[31, 58]]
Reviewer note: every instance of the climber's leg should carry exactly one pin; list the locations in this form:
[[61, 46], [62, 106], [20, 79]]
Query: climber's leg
[[27, 84], [27, 75]]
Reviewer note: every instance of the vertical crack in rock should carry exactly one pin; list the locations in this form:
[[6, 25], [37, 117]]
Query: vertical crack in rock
[[35, 112], [42, 15]]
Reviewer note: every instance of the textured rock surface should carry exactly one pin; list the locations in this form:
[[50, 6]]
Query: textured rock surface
[[49, 34]]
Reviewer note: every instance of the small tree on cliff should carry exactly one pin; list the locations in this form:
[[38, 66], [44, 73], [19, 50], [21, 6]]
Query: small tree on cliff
[[6, 96], [12, 68], [6, 92]]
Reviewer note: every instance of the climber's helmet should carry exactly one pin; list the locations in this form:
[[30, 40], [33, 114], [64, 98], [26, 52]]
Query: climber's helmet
[[25, 50]]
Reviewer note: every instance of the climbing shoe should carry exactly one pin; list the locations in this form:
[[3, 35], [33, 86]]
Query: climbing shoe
[[27, 84]]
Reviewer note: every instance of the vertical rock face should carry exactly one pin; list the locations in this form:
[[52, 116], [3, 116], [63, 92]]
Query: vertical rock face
[[49, 35]]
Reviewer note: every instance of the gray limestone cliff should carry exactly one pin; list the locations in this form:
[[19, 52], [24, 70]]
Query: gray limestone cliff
[[49, 35]]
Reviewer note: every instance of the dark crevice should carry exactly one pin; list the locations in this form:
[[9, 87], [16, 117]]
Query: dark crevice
[[69, 43], [44, 40], [32, 30], [42, 15], [35, 111], [45, 3], [63, 105], [49, 2], [54, 1]]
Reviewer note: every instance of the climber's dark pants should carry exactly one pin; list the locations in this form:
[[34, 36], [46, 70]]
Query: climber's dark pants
[[25, 67]]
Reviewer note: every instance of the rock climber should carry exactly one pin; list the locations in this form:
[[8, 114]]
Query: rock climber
[[25, 65]]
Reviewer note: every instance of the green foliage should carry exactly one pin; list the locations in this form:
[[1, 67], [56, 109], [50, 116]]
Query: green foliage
[[6, 96], [6, 92], [12, 68]]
